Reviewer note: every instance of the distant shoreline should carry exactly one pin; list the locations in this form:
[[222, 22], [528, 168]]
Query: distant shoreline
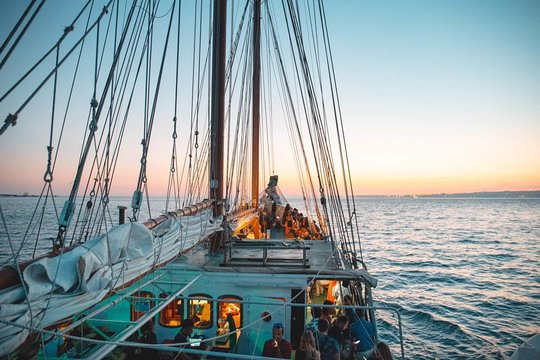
[[532, 194], [18, 195]]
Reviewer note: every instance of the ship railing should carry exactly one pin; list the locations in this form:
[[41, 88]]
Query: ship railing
[[374, 308], [216, 354], [186, 211], [100, 353], [105, 350], [121, 337]]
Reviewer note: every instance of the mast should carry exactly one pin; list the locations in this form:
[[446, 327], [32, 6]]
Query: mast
[[218, 105], [256, 102]]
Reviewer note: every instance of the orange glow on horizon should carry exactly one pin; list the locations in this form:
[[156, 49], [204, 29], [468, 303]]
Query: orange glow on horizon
[[419, 185]]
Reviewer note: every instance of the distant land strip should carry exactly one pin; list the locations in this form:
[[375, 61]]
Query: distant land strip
[[532, 194]]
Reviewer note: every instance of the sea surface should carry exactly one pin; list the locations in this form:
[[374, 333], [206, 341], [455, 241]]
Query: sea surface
[[464, 273]]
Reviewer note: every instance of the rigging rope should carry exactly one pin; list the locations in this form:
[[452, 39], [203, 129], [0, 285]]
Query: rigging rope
[[11, 119], [146, 141], [69, 205], [32, 17], [19, 22], [16, 264], [174, 184]]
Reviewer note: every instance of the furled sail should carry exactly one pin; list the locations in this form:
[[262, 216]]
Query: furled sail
[[64, 285]]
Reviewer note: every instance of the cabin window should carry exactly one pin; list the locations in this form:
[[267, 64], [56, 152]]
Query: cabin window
[[231, 305], [140, 306], [200, 310], [266, 316], [172, 315]]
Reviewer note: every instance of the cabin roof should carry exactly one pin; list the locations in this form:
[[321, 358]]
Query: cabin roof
[[268, 256]]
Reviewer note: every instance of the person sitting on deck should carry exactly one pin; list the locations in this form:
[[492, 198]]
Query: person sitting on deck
[[363, 331], [381, 352], [328, 346], [316, 313], [340, 290], [339, 330], [328, 313], [149, 337], [351, 314], [290, 233], [277, 346], [307, 350], [183, 337]]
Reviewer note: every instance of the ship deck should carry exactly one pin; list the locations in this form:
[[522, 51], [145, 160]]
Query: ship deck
[[267, 256]]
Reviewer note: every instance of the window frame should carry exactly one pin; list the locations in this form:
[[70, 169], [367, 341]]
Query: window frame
[[231, 299], [163, 311], [201, 296], [140, 294]]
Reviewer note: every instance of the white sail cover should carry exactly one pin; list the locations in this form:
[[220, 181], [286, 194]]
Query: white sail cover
[[67, 284]]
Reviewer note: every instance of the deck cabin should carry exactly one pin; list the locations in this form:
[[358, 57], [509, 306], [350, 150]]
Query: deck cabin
[[233, 298]]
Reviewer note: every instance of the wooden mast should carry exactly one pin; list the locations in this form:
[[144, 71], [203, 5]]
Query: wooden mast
[[256, 102], [218, 105]]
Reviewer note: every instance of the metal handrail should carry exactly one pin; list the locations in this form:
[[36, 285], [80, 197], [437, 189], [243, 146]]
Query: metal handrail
[[287, 304]]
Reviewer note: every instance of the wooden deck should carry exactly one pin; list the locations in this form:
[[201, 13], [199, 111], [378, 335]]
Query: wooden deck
[[270, 256]]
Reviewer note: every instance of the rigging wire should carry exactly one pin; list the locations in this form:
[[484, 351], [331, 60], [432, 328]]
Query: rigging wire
[[123, 86], [69, 205], [67, 30], [338, 106], [98, 166], [16, 264], [11, 119], [174, 184], [23, 31], [16, 27], [287, 89]]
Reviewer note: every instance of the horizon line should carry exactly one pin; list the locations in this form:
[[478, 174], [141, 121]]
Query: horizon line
[[26, 194]]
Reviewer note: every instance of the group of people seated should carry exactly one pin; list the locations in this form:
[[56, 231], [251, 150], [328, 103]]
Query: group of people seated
[[326, 337], [148, 336], [332, 334], [330, 341], [298, 226], [294, 224]]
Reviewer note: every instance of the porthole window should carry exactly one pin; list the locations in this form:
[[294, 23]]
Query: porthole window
[[140, 306], [172, 315], [266, 316], [232, 306], [200, 310]]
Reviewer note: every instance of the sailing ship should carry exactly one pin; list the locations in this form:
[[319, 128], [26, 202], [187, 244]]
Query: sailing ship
[[228, 251]]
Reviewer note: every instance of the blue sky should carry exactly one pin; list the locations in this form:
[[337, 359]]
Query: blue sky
[[437, 96], [443, 93]]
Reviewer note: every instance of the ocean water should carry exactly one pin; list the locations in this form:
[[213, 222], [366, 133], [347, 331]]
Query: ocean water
[[463, 273]]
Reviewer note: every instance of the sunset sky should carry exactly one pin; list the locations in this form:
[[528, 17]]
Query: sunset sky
[[437, 96]]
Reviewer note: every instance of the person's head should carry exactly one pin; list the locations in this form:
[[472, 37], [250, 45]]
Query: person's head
[[277, 332], [316, 312], [382, 352], [342, 322], [323, 325], [307, 340], [327, 311], [187, 326], [360, 313], [148, 327]]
